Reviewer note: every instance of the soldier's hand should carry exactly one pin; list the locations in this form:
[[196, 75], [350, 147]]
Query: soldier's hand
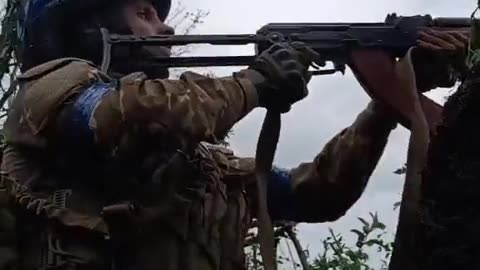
[[284, 75], [439, 59]]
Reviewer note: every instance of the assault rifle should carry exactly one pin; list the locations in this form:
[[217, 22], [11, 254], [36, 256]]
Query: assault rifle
[[333, 41]]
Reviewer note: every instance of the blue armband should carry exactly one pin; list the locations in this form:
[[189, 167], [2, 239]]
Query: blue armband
[[76, 123], [282, 203]]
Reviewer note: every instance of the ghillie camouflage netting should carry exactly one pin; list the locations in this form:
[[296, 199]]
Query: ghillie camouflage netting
[[451, 189], [10, 51]]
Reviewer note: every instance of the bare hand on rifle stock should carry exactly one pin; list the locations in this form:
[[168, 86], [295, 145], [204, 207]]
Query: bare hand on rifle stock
[[439, 59]]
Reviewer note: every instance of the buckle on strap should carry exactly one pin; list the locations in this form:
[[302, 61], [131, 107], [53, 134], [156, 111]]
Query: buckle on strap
[[59, 197], [121, 220]]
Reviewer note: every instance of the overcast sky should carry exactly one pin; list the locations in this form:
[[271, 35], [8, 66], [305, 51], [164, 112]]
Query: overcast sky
[[334, 101]]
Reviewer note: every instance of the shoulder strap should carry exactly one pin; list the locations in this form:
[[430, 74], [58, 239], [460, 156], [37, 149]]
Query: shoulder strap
[[266, 148]]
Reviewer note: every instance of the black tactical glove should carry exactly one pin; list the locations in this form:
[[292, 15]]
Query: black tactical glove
[[281, 75], [440, 59]]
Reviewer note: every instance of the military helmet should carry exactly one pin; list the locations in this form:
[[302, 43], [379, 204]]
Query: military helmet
[[35, 10], [51, 29]]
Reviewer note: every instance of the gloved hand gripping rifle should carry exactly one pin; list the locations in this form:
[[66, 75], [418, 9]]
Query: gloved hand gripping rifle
[[369, 49]]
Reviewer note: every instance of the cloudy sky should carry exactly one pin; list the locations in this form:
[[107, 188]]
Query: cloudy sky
[[334, 101]]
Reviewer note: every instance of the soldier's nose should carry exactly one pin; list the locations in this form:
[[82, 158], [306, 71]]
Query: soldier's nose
[[163, 29]]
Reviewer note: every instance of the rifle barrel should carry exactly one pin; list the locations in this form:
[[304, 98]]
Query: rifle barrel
[[204, 61], [180, 40], [452, 22]]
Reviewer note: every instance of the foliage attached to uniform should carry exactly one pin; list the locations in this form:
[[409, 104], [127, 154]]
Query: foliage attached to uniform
[[10, 49]]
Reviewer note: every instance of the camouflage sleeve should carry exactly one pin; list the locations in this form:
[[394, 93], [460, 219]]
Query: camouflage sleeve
[[324, 189], [179, 112]]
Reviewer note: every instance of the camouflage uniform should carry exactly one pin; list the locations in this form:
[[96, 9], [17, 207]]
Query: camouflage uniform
[[98, 168]]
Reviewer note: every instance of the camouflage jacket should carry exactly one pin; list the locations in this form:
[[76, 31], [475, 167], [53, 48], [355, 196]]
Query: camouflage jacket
[[97, 168]]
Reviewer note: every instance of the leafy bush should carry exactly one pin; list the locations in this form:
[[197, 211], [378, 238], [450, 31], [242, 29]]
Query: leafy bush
[[338, 255]]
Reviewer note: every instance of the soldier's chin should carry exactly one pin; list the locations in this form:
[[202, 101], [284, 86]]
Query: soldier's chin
[[152, 70], [144, 60], [157, 51]]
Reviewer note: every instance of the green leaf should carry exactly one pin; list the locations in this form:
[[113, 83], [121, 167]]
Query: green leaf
[[360, 237], [376, 224], [401, 170], [364, 221], [358, 233], [372, 242], [396, 205]]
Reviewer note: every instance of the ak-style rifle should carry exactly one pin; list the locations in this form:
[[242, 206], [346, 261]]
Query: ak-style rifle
[[369, 49], [333, 41]]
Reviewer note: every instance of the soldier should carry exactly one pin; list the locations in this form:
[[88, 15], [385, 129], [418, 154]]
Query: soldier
[[121, 170]]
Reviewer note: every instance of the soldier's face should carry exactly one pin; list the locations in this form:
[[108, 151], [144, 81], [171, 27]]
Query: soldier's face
[[143, 20]]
